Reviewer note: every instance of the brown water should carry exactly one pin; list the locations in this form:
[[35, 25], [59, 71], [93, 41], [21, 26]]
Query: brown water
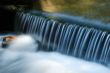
[[92, 9]]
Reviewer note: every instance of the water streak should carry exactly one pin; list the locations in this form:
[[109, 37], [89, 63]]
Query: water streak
[[83, 42]]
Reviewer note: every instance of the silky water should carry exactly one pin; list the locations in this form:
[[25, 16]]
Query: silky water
[[21, 57]]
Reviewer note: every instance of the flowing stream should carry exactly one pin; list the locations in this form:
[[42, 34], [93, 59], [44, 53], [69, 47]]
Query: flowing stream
[[75, 40]]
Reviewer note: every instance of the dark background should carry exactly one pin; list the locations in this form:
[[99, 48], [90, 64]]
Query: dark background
[[16, 2], [6, 20], [8, 9]]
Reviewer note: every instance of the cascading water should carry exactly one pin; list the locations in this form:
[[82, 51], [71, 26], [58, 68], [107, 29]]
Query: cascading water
[[83, 42]]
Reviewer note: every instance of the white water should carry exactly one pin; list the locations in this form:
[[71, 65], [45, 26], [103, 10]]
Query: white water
[[26, 61]]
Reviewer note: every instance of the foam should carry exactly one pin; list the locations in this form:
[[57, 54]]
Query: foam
[[21, 58], [23, 43]]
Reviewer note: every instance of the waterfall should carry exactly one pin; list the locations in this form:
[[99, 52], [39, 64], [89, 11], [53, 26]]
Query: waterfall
[[75, 40]]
